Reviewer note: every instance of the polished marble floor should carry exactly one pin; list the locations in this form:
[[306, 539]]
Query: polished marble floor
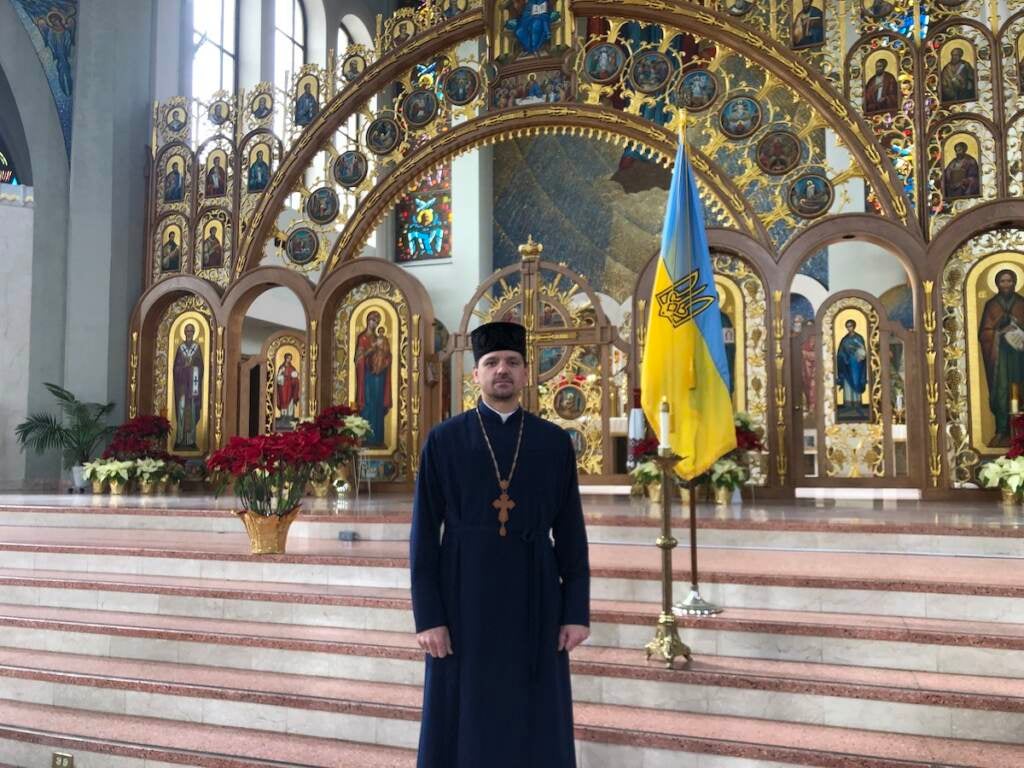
[[602, 508]]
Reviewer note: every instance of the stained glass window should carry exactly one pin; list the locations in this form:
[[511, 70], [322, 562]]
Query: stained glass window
[[8, 175]]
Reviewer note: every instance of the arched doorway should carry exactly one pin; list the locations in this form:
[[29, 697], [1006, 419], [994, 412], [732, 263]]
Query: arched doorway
[[855, 402]]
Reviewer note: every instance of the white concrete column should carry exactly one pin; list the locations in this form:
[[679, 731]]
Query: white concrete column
[[107, 195], [172, 48]]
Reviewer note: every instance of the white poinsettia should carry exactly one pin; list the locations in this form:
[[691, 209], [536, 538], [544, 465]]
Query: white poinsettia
[[1003, 472], [645, 473], [150, 470], [357, 426], [728, 473]]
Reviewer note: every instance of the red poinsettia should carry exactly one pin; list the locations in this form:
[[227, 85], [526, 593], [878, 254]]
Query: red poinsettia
[[644, 449], [748, 440], [1017, 439], [139, 438], [270, 472]]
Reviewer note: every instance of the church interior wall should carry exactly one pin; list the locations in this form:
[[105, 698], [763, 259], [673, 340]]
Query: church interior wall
[[273, 310], [107, 195], [171, 45], [49, 164], [16, 223]]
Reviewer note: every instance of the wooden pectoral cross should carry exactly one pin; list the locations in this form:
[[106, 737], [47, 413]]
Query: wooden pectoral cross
[[503, 504]]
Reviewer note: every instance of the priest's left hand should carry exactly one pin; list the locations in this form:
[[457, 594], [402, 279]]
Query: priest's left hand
[[572, 635]]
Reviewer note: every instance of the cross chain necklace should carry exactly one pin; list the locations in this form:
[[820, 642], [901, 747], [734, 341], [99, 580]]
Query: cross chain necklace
[[503, 503]]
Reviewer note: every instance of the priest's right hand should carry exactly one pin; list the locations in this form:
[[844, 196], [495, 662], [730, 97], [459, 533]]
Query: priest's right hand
[[437, 642]]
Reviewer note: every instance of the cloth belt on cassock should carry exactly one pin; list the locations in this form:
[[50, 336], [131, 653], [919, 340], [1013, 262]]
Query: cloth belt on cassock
[[536, 544]]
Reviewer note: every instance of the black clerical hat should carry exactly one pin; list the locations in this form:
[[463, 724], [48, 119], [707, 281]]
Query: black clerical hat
[[492, 337]]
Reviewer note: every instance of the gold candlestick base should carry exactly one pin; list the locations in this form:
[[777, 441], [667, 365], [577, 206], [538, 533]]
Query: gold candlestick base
[[666, 645]]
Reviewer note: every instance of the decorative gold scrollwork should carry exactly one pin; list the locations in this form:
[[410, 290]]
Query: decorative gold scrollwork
[[781, 391], [218, 404], [314, 356], [932, 392], [133, 377]]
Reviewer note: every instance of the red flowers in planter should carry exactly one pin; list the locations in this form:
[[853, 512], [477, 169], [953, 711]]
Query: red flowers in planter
[[269, 453], [270, 472], [748, 440], [139, 438]]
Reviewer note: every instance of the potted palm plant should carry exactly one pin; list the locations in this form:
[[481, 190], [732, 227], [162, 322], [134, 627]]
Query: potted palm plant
[[77, 432]]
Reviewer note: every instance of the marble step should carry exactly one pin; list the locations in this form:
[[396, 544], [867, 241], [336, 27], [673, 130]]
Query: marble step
[[30, 733], [949, 706], [980, 588], [615, 623], [1004, 539], [607, 737], [921, 645]]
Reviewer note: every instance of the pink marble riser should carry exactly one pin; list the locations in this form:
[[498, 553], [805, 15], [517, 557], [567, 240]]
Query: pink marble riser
[[391, 611], [395, 660], [393, 571], [596, 724], [374, 721], [36, 749]]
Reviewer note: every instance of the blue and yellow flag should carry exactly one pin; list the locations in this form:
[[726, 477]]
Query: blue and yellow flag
[[684, 354]]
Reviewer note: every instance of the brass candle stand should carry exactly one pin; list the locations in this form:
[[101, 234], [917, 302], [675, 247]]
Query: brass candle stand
[[694, 604], [666, 645]]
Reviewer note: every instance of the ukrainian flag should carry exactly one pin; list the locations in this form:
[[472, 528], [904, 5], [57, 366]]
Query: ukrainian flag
[[684, 354]]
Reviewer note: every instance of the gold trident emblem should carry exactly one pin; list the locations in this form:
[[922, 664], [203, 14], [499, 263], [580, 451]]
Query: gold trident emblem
[[684, 299]]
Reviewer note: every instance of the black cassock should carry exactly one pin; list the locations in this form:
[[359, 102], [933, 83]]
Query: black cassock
[[503, 700]]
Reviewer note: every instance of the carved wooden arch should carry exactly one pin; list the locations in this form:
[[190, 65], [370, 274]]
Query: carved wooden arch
[[338, 109], [914, 399], [988, 216], [1007, 24], [852, 130], [866, 227], [142, 344], [591, 121], [420, 358], [236, 303], [713, 24]]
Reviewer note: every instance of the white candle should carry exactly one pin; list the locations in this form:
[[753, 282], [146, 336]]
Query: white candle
[[663, 425]]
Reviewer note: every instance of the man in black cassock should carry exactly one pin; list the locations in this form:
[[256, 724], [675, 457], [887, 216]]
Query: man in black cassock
[[498, 604]]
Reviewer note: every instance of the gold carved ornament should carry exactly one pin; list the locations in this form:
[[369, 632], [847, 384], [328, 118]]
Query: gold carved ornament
[[558, 119], [416, 349], [314, 357], [133, 377], [218, 405], [779, 331], [773, 57], [932, 392]]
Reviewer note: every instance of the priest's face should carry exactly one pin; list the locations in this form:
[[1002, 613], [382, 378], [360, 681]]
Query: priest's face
[[501, 376]]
